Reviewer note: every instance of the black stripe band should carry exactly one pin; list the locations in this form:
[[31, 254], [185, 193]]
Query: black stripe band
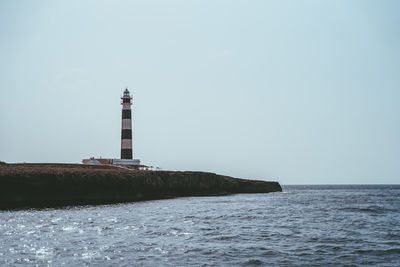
[[126, 153], [126, 114], [126, 134], [126, 100]]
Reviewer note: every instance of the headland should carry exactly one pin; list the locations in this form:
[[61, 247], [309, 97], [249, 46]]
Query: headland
[[31, 185]]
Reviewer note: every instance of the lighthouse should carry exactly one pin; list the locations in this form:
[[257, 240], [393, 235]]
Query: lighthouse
[[126, 159], [126, 129]]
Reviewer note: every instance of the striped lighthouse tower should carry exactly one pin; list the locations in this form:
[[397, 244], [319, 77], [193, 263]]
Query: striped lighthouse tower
[[126, 133]]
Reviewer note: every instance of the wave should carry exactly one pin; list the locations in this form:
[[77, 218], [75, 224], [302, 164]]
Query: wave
[[369, 209], [378, 252]]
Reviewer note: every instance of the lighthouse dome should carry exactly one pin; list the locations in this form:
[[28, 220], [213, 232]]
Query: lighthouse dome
[[126, 92]]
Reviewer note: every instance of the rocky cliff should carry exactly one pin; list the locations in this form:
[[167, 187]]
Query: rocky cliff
[[52, 185]]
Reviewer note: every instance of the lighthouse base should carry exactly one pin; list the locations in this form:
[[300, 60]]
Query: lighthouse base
[[125, 161], [132, 163]]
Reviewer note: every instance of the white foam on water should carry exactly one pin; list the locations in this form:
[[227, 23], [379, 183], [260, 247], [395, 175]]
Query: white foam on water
[[43, 253], [55, 220], [110, 219], [162, 251], [89, 255], [69, 228]]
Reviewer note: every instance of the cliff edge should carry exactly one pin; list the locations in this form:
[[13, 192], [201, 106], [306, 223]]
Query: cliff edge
[[53, 185]]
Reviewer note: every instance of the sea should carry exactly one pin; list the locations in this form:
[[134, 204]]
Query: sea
[[305, 225]]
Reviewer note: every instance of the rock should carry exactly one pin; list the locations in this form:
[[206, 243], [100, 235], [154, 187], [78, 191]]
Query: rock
[[54, 185]]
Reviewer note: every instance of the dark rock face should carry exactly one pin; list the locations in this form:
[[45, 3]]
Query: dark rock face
[[52, 185]]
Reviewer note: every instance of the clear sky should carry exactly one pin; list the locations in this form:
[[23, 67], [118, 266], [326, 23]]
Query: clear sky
[[294, 91]]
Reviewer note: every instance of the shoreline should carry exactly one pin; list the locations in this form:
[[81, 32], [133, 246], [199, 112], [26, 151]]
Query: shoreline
[[48, 185]]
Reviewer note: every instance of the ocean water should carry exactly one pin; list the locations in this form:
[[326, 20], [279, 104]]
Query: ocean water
[[304, 225]]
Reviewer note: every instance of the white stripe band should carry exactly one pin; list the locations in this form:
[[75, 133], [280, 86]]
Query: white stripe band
[[126, 124], [126, 143]]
